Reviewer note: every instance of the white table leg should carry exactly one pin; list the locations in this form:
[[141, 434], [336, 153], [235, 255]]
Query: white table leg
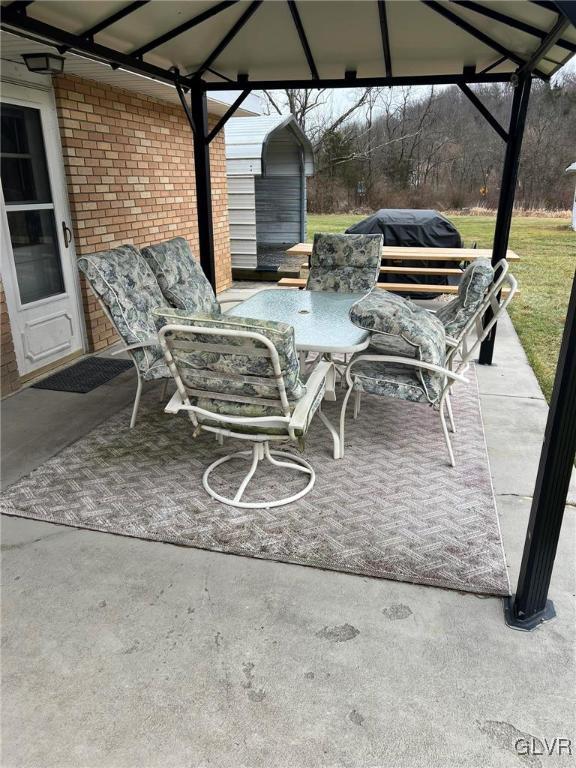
[[330, 393]]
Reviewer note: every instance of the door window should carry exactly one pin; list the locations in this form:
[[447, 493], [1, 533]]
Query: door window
[[29, 205]]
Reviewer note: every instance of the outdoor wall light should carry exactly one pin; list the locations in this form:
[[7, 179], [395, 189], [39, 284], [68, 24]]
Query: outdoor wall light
[[44, 63]]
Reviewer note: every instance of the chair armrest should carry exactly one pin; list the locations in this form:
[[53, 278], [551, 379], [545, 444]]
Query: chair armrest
[[139, 345], [174, 404], [313, 384], [230, 301], [407, 361]]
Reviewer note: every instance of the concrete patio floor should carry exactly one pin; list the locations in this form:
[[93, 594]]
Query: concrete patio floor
[[121, 653]]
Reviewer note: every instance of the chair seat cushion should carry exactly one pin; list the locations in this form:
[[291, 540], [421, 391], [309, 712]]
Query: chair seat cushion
[[181, 279], [389, 380], [251, 410], [159, 370]]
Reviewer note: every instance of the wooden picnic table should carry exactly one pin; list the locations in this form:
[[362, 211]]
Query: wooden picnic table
[[403, 253], [394, 253]]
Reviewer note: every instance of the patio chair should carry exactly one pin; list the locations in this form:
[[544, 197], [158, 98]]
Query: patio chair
[[344, 263], [240, 378], [127, 292], [409, 358]]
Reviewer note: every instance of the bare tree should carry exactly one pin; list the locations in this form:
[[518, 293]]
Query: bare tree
[[314, 109], [408, 147]]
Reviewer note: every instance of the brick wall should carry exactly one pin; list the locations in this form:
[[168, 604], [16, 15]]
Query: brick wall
[[130, 173], [9, 376]]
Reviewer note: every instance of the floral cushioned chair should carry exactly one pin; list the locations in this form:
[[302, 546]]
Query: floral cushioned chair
[[128, 292], [344, 263], [240, 378], [406, 359], [400, 328], [181, 279], [410, 357]]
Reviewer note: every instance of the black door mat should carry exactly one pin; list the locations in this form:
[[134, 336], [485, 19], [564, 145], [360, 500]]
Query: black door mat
[[84, 376]]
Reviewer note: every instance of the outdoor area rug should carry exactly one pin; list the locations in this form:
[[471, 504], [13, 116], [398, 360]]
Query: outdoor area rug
[[84, 376], [392, 508]]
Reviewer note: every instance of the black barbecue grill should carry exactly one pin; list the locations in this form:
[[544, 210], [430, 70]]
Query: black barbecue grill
[[413, 229]]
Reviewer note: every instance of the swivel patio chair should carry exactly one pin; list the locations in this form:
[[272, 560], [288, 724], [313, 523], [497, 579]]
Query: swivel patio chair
[[344, 263], [240, 378], [408, 357], [128, 292]]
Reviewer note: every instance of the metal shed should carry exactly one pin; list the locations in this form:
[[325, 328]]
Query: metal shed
[[267, 160]]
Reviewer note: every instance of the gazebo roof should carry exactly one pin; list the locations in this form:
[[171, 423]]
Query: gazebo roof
[[13, 46], [312, 40]]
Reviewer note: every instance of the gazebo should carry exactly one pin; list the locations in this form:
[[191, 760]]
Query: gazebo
[[246, 45]]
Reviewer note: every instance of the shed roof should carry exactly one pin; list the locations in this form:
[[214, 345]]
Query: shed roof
[[247, 138], [269, 42], [571, 168], [13, 67]]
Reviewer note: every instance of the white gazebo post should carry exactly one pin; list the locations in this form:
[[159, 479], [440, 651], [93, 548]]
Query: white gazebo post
[[572, 169]]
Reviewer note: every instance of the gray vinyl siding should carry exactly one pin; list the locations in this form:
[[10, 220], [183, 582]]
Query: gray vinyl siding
[[241, 217], [278, 210]]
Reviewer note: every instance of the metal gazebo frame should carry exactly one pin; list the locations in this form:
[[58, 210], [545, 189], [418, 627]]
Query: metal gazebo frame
[[530, 605]]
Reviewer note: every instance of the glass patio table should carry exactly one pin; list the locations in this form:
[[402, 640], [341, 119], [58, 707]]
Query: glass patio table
[[319, 318], [320, 321]]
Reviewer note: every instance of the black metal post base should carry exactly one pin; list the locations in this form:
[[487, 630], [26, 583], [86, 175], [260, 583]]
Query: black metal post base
[[529, 623]]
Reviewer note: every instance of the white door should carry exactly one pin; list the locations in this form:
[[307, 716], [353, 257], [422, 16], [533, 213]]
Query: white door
[[38, 263]]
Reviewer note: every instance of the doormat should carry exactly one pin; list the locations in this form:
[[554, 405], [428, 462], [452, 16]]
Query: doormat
[[84, 376]]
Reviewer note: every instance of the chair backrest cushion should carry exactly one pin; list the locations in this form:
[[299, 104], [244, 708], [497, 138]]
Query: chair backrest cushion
[[180, 277], [229, 372], [344, 263], [125, 284], [401, 328], [475, 282]]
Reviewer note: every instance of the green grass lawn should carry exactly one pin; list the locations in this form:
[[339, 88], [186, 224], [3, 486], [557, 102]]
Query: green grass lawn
[[548, 250]]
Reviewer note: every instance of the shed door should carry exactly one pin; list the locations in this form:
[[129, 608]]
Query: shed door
[[279, 215]]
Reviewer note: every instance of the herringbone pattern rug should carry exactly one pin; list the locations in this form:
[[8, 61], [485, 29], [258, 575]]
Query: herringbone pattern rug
[[392, 508]]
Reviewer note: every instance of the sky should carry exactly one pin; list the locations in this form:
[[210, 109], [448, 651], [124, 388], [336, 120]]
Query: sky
[[339, 99]]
